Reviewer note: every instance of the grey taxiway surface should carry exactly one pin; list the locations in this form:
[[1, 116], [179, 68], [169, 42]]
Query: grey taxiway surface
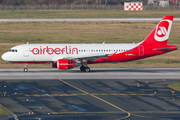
[[102, 94], [106, 73]]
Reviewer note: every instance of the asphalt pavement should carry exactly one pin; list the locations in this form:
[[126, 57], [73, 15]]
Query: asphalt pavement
[[33, 96]]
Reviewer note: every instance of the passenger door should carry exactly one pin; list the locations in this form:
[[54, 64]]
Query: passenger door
[[141, 50], [26, 51]]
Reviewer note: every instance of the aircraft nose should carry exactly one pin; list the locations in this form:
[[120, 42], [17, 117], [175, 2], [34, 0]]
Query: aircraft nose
[[5, 56]]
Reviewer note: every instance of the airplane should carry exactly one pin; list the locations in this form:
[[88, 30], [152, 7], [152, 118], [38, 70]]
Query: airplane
[[68, 56]]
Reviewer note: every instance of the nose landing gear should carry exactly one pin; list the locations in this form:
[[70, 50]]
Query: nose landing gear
[[26, 67]]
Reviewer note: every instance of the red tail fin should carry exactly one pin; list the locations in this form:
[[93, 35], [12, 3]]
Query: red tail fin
[[161, 32]]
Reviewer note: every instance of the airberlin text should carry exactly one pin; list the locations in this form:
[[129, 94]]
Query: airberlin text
[[43, 50]]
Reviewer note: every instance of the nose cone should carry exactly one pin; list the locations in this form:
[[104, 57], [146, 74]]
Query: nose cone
[[5, 57]]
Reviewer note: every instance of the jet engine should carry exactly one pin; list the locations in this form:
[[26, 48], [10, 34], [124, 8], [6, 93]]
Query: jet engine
[[65, 64]]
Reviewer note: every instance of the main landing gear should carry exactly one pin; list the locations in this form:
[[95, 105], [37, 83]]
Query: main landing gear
[[84, 68], [26, 67]]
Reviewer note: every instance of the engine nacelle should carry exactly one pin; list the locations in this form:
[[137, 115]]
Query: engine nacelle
[[65, 64]]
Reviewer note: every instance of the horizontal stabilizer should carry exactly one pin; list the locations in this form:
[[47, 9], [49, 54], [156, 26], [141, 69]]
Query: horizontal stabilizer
[[164, 49]]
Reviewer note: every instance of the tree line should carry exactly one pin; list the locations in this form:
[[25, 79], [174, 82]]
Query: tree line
[[63, 2]]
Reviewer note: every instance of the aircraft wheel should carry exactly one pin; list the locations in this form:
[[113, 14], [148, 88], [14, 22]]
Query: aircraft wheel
[[82, 68], [25, 69], [87, 69]]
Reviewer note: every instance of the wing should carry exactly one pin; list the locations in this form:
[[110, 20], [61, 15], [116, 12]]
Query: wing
[[90, 57]]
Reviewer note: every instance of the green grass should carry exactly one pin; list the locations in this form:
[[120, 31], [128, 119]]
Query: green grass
[[80, 32], [4, 111], [175, 86], [87, 13]]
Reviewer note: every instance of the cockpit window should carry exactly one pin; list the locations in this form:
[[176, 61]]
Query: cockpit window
[[13, 50]]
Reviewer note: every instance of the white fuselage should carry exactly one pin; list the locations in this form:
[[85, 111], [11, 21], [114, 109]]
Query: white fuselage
[[53, 52]]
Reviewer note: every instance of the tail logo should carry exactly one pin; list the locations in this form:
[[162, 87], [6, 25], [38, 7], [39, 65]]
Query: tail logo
[[162, 30]]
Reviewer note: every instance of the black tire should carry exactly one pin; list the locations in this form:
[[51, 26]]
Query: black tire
[[87, 69], [25, 69], [82, 68]]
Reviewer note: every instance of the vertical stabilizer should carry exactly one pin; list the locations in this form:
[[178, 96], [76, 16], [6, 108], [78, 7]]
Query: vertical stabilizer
[[161, 32]]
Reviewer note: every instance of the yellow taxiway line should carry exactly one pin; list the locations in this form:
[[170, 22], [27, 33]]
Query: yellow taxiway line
[[98, 99]]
